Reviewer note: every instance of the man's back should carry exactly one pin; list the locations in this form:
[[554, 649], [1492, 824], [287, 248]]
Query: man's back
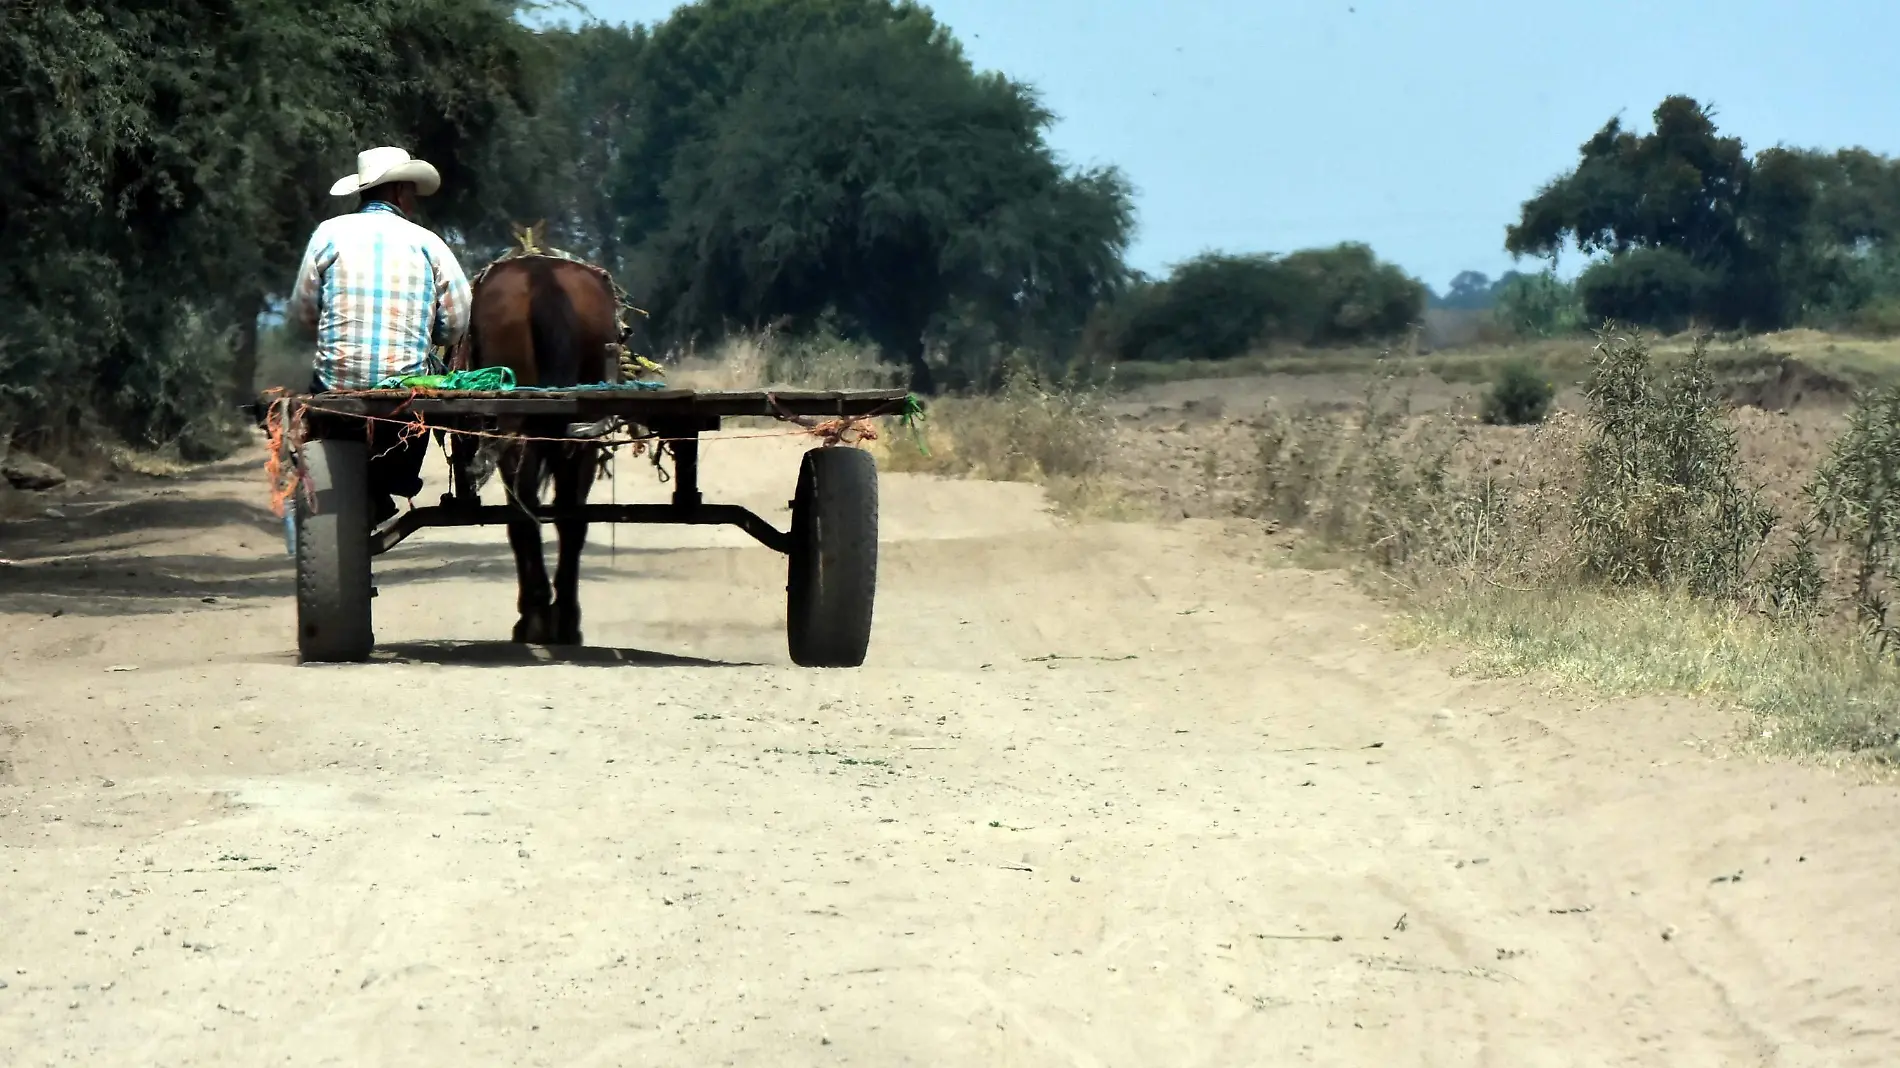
[[379, 292]]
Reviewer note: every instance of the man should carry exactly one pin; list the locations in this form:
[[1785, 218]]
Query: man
[[378, 292]]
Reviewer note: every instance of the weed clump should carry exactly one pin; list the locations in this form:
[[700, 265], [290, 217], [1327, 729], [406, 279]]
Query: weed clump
[[1520, 395], [1855, 495], [1662, 501], [1033, 429]]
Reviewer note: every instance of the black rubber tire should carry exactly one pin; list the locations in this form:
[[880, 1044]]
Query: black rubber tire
[[831, 580], [333, 573]]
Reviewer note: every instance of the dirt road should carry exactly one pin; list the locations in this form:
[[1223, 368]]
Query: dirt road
[[1105, 795]]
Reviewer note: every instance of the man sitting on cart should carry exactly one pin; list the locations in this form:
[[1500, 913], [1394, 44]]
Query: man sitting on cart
[[378, 292]]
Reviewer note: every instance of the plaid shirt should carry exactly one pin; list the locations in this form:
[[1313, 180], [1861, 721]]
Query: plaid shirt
[[378, 291]]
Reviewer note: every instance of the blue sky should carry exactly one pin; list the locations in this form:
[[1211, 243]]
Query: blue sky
[[1417, 126]]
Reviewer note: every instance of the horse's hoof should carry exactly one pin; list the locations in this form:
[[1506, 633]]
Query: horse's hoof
[[532, 630], [567, 628]]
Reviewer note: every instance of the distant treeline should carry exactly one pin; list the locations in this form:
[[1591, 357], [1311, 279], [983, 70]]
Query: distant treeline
[[1691, 230], [1684, 228], [832, 167]]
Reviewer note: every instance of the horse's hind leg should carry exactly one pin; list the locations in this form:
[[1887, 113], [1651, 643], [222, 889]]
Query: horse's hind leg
[[521, 470], [573, 478]]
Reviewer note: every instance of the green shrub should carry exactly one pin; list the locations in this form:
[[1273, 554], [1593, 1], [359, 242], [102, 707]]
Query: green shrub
[[1855, 495], [1218, 307], [1662, 500], [1538, 305], [1879, 317], [1519, 396], [1659, 288]]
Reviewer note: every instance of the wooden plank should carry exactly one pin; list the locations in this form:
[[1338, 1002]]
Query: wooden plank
[[639, 405]]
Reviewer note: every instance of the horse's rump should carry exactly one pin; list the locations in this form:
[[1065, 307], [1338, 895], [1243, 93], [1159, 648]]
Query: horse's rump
[[550, 320]]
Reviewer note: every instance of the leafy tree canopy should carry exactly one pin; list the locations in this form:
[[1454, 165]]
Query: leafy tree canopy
[[1216, 306], [166, 164], [862, 169], [1694, 229]]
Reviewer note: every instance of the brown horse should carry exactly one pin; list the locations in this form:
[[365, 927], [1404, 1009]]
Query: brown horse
[[551, 321]]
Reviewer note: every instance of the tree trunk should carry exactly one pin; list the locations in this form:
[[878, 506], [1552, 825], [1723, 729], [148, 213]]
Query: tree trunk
[[244, 367], [922, 381]]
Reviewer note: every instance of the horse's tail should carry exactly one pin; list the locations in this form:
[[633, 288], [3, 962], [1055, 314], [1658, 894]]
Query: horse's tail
[[552, 328]]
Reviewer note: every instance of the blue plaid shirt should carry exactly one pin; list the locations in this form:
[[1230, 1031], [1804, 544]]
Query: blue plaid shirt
[[379, 292]]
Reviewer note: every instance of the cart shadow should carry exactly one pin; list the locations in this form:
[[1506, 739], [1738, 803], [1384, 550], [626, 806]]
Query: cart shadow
[[513, 655], [124, 581]]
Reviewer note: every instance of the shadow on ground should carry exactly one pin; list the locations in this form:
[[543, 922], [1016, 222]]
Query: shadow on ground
[[85, 520], [512, 654], [121, 580]]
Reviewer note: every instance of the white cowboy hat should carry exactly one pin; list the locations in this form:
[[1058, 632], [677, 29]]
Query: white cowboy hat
[[379, 165]]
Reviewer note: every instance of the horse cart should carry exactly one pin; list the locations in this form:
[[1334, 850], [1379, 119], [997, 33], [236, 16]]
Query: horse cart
[[831, 546]]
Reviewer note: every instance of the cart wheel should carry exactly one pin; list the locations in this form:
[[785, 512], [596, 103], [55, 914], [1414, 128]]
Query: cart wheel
[[333, 577], [832, 579]]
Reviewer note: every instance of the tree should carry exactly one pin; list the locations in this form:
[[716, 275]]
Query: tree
[[1537, 305], [554, 161], [698, 62], [1469, 291], [160, 180], [1217, 306], [1678, 187], [1695, 230], [868, 173], [1212, 307]]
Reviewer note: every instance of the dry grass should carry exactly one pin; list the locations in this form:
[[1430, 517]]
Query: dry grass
[[1628, 549], [1555, 549], [1810, 689], [1861, 361], [1059, 438], [1029, 431], [771, 361]]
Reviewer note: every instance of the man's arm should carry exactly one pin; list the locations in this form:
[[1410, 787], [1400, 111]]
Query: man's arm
[[300, 312], [452, 296]]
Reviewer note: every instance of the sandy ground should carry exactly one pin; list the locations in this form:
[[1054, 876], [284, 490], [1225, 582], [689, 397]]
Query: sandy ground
[[1104, 795]]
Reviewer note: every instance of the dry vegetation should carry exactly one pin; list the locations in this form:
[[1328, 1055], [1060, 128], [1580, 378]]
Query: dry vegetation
[[1659, 541], [1059, 435], [1740, 361], [1652, 538]]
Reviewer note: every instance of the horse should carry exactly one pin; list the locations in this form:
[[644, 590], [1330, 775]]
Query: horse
[[553, 322]]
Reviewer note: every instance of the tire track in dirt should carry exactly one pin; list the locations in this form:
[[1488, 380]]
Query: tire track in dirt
[[1105, 795]]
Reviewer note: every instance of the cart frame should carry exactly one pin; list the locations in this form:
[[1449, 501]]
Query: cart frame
[[831, 546]]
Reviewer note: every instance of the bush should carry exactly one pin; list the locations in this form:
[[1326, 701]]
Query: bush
[[1538, 306], [1657, 287], [770, 360], [1662, 502], [1031, 430], [1375, 481], [1879, 317], [1855, 495], [1346, 295], [1520, 395], [1217, 307]]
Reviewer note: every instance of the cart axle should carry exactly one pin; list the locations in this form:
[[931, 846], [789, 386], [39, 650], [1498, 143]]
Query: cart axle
[[704, 515]]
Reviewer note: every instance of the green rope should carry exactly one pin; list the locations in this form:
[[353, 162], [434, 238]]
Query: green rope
[[911, 418], [487, 379], [501, 380]]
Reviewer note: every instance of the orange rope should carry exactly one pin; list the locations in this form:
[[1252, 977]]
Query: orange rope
[[285, 435], [842, 431]]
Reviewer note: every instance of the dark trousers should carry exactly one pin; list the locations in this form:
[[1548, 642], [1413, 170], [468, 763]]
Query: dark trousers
[[395, 465]]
